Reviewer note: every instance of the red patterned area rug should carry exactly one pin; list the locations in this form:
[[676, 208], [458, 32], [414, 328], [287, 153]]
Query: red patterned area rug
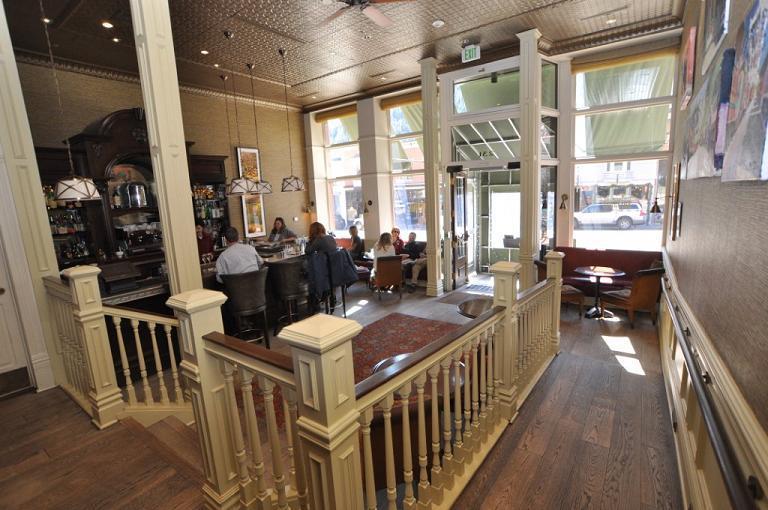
[[394, 334]]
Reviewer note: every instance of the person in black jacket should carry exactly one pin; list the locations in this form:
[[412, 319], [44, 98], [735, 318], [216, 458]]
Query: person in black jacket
[[357, 250], [319, 240]]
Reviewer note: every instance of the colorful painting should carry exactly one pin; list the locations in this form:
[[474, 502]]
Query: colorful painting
[[716, 13], [689, 66], [699, 145], [249, 165], [745, 154]]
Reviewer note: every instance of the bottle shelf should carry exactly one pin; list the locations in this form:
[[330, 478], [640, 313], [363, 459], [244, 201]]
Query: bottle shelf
[[132, 210]]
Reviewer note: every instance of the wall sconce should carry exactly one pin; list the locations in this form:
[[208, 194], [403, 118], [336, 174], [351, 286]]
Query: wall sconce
[[563, 199], [310, 207], [365, 208], [655, 209]]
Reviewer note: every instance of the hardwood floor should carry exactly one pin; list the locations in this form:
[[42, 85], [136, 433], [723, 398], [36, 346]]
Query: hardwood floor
[[51, 456], [595, 432]]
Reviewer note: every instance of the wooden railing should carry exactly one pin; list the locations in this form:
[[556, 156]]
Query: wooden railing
[[424, 424]]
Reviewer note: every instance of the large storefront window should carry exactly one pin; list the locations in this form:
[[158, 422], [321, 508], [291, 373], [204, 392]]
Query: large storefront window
[[612, 201], [493, 90], [406, 153], [342, 162]]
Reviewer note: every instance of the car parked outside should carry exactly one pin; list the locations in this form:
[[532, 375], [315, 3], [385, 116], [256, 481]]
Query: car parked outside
[[623, 216]]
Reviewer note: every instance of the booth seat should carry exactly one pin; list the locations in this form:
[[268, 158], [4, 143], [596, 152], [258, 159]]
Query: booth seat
[[344, 242], [423, 274], [629, 261]]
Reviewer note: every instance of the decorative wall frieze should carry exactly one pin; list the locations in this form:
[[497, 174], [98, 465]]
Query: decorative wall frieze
[[111, 74], [623, 33]]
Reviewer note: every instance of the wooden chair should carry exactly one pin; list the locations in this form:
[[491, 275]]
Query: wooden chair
[[389, 273], [642, 296], [568, 293]]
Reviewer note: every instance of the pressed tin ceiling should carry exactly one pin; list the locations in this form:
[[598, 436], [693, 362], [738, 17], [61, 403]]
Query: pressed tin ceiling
[[347, 56]]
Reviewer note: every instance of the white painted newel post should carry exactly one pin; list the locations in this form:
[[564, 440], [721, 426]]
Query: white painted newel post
[[328, 418], [104, 395], [199, 313], [505, 276], [555, 272]]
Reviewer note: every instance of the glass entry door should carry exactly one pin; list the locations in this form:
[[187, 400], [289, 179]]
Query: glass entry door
[[460, 273]]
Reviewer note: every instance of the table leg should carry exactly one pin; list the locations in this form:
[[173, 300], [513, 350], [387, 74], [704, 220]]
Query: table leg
[[594, 312]]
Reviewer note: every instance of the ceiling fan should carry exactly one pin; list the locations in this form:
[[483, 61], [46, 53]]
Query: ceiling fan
[[367, 7]]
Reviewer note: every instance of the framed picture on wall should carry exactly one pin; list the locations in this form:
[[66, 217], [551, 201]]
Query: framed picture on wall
[[716, 14], [674, 190], [249, 165], [688, 68]]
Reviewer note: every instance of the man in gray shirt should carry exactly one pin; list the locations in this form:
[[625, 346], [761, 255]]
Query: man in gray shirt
[[237, 258]]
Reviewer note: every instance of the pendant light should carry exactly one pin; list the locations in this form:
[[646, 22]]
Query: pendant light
[[73, 187], [262, 186], [239, 186], [292, 182]]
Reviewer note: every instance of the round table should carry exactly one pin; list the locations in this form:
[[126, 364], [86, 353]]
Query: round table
[[598, 272]]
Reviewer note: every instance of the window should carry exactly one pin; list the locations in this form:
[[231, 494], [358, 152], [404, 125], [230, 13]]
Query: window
[[406, 154], [342, 163], [622, 122], [548, 85], [487, 92]]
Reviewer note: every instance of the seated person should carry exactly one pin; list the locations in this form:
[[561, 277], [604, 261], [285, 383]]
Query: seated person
[[416, 257], [396, 241], [357, 250], [204, 239], [383, 248], [319, 240], [238, 258], [280, 233]]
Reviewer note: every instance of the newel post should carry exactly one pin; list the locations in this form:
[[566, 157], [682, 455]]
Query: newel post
[[505, 276], [328, 417], [199, 313], [555, 272], [104, 395]]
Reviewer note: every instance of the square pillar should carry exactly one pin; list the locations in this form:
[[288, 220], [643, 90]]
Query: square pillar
[[375, 168], [565, 170], [530, 163], [316, 174]]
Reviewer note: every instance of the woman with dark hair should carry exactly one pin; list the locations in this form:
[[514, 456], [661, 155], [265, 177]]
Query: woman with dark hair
[[204, 239], [280, 233], [319, 240]]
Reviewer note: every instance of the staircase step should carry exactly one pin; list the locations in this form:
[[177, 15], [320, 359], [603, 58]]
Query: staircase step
[[175, 447]]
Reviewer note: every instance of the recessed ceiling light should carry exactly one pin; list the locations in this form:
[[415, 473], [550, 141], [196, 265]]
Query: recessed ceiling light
[[610, 21], [107, 24], [46, 20], [204, 52], [383, 78], [314, 97], [115, 39], [438, 23], [215, 65]]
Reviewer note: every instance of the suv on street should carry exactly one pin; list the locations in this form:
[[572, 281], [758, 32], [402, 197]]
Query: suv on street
[[623, 216]]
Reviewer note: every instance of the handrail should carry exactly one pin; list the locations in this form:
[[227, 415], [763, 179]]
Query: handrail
[[532, 292], [274, 365], [378, 379], [254, 351], [140, 315], [734, 480]]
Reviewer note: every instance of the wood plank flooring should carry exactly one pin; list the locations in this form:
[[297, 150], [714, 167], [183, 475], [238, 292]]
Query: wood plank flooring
[[52, 457], [595, 432]]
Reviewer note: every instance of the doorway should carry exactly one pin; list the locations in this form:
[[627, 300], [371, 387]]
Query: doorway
[[14, 376]]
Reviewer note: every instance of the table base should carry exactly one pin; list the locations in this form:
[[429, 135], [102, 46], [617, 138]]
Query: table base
[[595, 313]]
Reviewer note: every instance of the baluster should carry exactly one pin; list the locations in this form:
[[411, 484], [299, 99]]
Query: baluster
[[405, 394], [457, 416], [389, 452], [158, 363], [252, 426], [433, 372], [289, 443], [421, 425], [129, 389], [496, 370], [63, 348], [289, 396], [467, 391], [483, 370], [520, 340], [267, 387], [445, 365], [148, 398], [238, 444], [475, 393], [179, 397], [490, 403], [370, 484]]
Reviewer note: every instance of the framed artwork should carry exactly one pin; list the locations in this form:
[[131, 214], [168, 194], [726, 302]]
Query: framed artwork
[[674, 191], [716, 14], [745, 147], [688, 69], [249, 165]]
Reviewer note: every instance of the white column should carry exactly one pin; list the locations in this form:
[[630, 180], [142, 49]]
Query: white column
[[431, 174], [374, 168], [316, 175], [24, 223], [530, 163], [165, 126], [565, 170]]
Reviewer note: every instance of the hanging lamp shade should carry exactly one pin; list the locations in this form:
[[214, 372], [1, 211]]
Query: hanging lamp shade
[[242, 186], [76, 188], [655, 209], [292, 183]]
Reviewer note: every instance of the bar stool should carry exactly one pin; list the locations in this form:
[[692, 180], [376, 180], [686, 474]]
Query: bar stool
[[291, 288], [247, 298]]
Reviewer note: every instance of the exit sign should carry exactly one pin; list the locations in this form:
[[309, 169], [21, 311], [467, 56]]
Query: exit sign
[[470, 53]]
